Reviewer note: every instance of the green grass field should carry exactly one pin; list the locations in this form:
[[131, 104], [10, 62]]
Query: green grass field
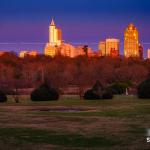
[[118, 124]]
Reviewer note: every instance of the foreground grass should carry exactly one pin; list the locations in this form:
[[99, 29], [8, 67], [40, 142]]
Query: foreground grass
[[74, 101], [120, 106], [50, 137], [120, 113], [119, 124]]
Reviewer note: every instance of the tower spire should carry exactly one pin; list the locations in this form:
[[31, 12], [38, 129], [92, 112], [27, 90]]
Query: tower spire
[[52, 22]]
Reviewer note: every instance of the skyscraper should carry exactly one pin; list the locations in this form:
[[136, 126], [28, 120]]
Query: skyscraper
[[131, 41], [55, 40], [55, 35], [56, 46]]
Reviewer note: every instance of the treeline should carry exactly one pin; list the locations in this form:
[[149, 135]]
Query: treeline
[[61, 72]]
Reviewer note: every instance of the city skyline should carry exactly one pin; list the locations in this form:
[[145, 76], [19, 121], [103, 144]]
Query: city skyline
[[83, 22], [58, 32]]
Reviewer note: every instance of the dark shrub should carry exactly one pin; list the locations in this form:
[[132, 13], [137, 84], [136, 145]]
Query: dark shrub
[[44, 93], [3, 97], [144, 89], [118, 88], [98, 88], [98, 92], [107, 95], [90, 95], [95, 92]]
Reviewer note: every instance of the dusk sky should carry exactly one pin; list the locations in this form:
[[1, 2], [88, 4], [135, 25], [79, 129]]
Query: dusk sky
[[81, 21]]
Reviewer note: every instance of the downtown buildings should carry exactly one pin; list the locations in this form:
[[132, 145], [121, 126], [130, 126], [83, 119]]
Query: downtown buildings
[[109, 47], [56, 46], [132, 46]]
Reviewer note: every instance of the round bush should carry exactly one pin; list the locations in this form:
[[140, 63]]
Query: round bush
[[44, 93], [3, 97], [98, 88], [107, 95], [144, 89], [118, 88], [90, 95]]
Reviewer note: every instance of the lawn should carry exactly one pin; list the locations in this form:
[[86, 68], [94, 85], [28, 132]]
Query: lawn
[[73, 124]]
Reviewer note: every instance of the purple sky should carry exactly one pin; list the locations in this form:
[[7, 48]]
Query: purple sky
[[82, 21]]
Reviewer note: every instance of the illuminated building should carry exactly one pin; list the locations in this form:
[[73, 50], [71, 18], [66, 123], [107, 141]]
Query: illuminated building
[[23, 54], [55, 40], [50, 50], [148, 53], [55, 35], [64, 50], [79, 51], [57, 47], [102, 48], [110, 47], [67, 50], [33, 53], [131, 41]]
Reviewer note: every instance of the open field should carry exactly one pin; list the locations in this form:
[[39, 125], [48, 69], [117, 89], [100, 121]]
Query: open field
[[70, 123]]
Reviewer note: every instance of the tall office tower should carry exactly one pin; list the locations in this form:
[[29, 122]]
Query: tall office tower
[[55, 40], [131, 41], [55, 35]]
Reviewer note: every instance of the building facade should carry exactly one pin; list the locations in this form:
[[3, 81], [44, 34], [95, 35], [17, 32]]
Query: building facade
[[109, 47], [55, 40], [102, 48], [131, 41], [112, 47], [23, 54], [148, 53], [56, 46], [55, 35], [50, 50]]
